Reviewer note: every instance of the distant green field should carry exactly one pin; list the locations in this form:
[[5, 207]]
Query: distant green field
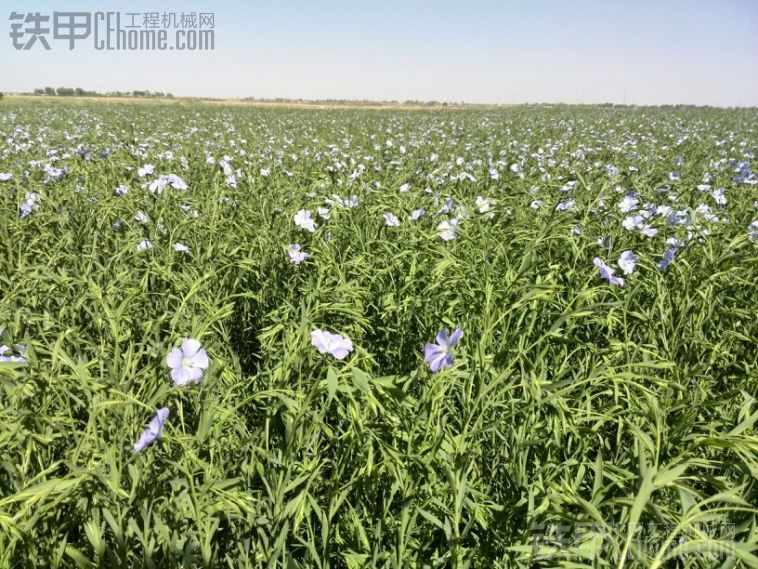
[[599, 409]]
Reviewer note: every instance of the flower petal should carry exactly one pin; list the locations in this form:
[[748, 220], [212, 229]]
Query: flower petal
[[174, 358], [195, 374], [320, 340], [340, 352], [190, 347], [457, 335], [153, 431], [180, 375], [431, 351], [442, 338], [441, 361], [200, 359]]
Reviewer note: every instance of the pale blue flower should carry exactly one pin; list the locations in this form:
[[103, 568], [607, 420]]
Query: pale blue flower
[[606, 272], [633, 222], [6, 354], [438, 355], [144, 245], [447, 207], [565, 205], [176, 182], [31, 204], [153, 431], [157, 186], [448, 229], [707, 213], [668, 258], [568, 186], [334, 344], [145, 170], [188, 363], [296, 255], [679, 217], [628, 203], [391, 220], [719, 196], [304, 221], [638, 222], [484, 205], [54, 173], [628, 262], [415, 214], [752, 231], [349, 202]]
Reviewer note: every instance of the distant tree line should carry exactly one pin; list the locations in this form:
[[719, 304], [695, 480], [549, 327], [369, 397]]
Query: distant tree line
[[79, 92]]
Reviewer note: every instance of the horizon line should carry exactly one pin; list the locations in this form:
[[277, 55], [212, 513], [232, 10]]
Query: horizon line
[[167, 97]]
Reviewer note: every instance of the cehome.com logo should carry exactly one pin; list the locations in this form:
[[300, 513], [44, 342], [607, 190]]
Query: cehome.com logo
[[115, 31]]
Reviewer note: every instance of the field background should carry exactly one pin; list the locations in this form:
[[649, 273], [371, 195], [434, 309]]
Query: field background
[[626, 413]]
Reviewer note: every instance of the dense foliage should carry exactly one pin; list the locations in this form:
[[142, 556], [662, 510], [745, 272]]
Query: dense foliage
[[580, 424]]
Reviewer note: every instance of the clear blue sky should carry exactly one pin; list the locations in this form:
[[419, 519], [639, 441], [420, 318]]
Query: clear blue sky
[[583, 51]]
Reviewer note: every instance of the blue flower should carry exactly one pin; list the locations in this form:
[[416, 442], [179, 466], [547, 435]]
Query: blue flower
[[391, 220], [144, 245], [189, 363], [668, 258], [565, 205], [448, 229], [31, 204], [334, 344], [628, 262], [606, 272], [628, 203], [415, 214], [438, 355], [752, 231], [296, 254], [153, 431], [304, 221]]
